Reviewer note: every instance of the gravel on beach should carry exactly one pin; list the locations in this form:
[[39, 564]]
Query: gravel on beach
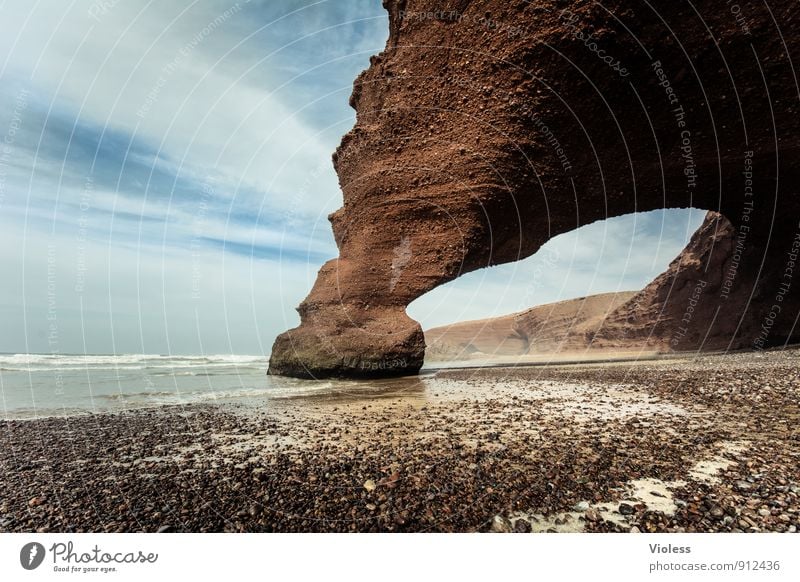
[[695, 444]]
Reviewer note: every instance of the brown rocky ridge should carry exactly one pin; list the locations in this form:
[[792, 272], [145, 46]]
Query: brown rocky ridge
[[486, 127]]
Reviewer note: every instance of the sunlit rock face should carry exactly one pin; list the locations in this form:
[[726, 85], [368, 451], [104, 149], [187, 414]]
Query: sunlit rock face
[[487, 127]]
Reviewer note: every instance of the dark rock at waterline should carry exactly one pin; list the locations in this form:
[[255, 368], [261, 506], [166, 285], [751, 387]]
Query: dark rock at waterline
[[522, 526]]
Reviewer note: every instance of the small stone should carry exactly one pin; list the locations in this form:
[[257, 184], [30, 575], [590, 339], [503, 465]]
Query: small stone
[[635, 529], [522, 526], [626, 509], [792, 529], [581, 506], [500, 525], [165, 529], [369, 485], [764, 512], [371, 506], [592, 515], [36, 501], [391, 480], [743, 485]]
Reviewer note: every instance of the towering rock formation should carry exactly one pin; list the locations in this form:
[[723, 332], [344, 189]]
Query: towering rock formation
[[688, 306], [487, 127]]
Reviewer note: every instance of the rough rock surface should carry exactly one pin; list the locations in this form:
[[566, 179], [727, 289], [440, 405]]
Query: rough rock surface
[[487, 127], [689, 307]]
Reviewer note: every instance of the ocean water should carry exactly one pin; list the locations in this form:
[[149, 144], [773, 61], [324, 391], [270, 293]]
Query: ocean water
[[36, 385]]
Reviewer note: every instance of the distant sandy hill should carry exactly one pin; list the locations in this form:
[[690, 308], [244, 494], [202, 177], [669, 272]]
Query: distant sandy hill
[[556, 327]]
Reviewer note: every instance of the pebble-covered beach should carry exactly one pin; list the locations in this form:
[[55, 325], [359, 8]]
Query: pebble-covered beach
[[707, 444]]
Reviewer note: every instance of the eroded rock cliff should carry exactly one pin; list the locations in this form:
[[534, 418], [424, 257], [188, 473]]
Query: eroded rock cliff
[[487, 127]]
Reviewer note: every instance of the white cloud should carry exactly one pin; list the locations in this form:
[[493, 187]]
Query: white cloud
[[215, 102]]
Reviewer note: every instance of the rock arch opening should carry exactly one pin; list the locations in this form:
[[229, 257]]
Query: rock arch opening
[[554, 300]]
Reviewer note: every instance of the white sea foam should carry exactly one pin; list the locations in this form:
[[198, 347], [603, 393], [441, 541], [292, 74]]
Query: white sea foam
[[44, 385], [50, 384], [57, 362]]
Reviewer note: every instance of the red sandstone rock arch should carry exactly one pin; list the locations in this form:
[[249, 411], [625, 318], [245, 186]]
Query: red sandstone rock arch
[[691, 110]]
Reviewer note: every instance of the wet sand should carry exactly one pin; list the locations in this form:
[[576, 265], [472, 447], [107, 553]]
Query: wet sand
[[692, 444]]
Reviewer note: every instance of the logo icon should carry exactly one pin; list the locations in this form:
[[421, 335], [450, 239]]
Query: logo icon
[[31, 556]]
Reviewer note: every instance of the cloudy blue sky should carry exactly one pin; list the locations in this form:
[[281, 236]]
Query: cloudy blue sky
[[165, 176]]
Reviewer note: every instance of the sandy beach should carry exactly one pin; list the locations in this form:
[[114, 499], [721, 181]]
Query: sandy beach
[[707, 443]]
